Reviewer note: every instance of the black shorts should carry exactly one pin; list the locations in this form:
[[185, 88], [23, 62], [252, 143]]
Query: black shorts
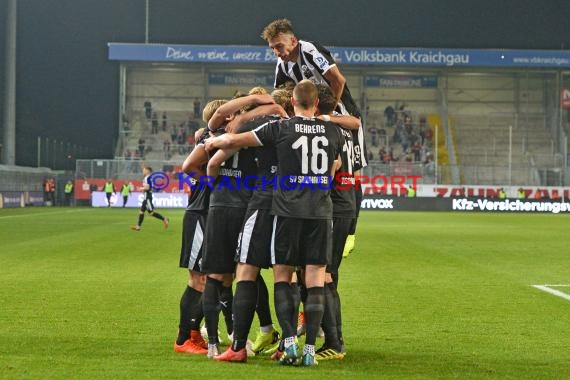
[[223, 226], [147, 204], [254, 245], [341, 229], [300, 242], [193, 226]]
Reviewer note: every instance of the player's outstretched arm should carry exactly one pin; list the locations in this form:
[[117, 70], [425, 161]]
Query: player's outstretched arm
[[228, 109], [231, 141], [336, 81], [263, 110], [345, 121]]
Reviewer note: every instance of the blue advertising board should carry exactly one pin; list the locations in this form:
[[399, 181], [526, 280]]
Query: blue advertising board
[[401, 81], [415, 57], [240, 79]]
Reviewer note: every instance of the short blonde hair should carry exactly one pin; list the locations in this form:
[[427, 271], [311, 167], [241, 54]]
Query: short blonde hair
[[275, 27], [211, 108], [305, 94]]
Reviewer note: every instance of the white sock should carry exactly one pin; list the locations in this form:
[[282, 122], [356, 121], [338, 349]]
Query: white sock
[[266, 329], [309, 349], [289, 342]]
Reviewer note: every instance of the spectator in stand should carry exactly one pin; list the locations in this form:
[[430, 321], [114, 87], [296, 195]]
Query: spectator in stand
[[408, 125], [164, 121], [154, 124], [374, 135], [370, 156], [148, 109], [416, 149], [196, 108], [422, 129], [180, 141], [173, 133], [390, 116], [166, 148], [423, 153], [429, 165], [142, 147], [428, 135], [382, 140]]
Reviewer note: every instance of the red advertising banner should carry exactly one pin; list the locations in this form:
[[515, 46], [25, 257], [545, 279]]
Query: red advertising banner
[[565, 98]]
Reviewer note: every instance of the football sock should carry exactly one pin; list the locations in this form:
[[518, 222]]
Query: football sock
[[141, 218], [197, 314], [284, 308], [296, 297], [314, 309], [309, 349], [338, 316], [288, 342], [302, 291], [226, 300], [211, 307], [188, 302], [157, 216], [262, 307], [330, 317], [244, 310]]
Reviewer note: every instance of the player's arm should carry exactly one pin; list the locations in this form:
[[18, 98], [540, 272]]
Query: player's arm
[[345, 121], [195, 161], [231, 141], [263, 110], [336, 81], [217, 159], [225, 111]]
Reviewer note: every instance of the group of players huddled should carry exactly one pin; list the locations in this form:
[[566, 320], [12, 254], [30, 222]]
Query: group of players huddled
[[307, 129]]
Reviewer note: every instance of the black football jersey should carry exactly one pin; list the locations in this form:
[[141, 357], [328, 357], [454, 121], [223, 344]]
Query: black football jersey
[[306, 149], [232, 187], [199, 198], [342, 192], [266, 160], [313, 62]]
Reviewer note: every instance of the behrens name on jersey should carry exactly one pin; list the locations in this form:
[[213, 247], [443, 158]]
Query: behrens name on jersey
[[304, 128]]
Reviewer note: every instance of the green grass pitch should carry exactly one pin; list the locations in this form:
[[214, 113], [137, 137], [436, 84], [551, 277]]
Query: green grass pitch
[[424, 295]]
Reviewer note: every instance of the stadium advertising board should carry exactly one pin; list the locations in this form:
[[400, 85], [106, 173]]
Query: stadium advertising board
[[401, 81], [388, 203], [345, 55], [159, 200], [84, 187], [11, 199], [469, 191]]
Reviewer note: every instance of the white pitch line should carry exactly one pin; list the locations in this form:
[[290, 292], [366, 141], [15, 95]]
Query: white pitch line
[[558, 285], [554, 292], [43, 213]]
